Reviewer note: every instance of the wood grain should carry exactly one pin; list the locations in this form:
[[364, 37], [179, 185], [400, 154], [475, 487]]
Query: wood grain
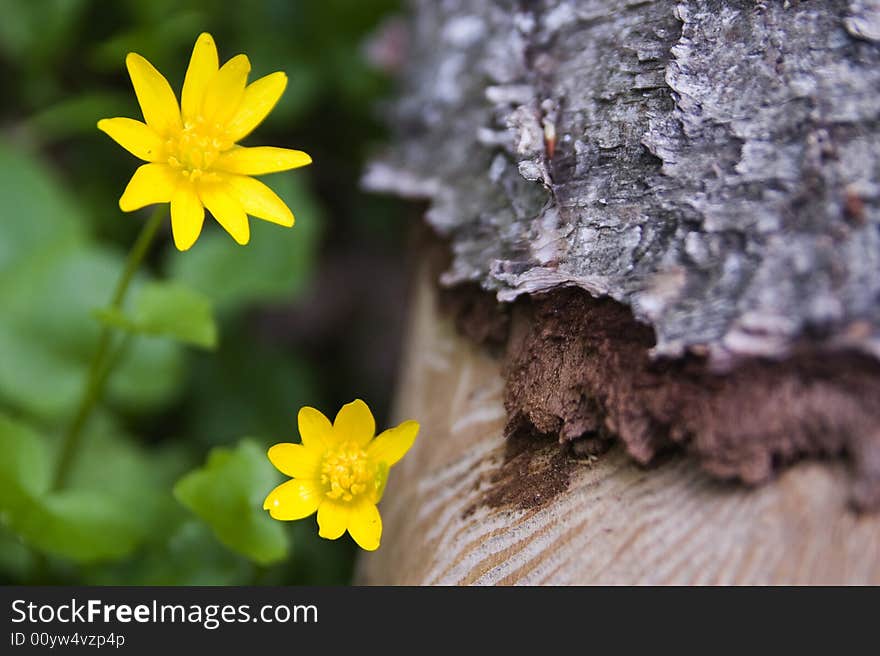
[[615, 523]]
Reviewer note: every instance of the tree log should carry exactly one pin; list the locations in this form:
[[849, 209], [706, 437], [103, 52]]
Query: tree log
[[710, 169], [469, 506]]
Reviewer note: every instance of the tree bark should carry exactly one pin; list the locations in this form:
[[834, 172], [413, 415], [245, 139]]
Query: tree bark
[[712, 164]]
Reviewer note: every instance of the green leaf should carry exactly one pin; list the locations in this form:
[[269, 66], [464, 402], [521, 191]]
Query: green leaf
[[48, 336], [50, 280], [16, 560], [78, 115], [228, 493], [38, 214], [136, 476], [81, 525], [273, 267], [84, 525], [149, 376], [167, 310], [25, 468], [36, 30], [116, 318]]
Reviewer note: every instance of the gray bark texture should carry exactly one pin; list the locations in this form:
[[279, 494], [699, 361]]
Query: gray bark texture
[[712, 164]]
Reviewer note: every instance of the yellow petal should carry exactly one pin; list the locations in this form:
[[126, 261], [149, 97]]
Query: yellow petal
[[296, 460], [332, 519], [151, 183], [354, 422], [258, 100], [314, 428], [225, 90], [294, 499], [379, 482], [157, 100], [258, 200], [391, 445], [227, 210], [365, 525], [260, 160], [187, 216], [136, 137], [203, 65]]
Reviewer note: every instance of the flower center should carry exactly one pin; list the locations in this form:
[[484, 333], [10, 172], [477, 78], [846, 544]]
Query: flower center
[[196, 147], [346, 472]]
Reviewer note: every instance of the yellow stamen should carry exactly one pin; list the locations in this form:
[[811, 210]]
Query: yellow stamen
[[346, 472], [194, 150]]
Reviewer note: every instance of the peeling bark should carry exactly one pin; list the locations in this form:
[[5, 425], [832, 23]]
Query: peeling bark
[[709, 168], [712, 164], [580, 368]]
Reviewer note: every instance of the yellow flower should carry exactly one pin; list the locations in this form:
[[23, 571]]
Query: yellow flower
[[340, 471], [194, 161]]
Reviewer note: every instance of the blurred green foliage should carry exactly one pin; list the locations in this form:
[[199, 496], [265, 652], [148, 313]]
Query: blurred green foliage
[[164, 490], [227, 493]]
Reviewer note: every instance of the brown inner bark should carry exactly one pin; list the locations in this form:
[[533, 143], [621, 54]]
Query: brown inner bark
[[580, 368]]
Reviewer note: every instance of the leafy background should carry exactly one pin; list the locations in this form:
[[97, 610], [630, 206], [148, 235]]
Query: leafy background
[[226, 342]]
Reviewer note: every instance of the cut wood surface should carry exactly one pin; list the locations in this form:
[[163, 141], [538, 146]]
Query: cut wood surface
[[467, 506]]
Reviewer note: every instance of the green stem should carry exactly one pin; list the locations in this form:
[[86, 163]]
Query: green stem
[[102, 362]]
